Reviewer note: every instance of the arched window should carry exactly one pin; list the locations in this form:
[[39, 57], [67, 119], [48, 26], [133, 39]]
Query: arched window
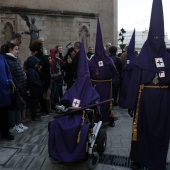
[[8, 32], [84, 32]]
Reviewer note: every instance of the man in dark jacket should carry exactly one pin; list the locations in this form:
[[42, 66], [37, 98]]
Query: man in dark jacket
[[90, 53], [73, 62], [16, 39], [77, 46], [45, 74], [118, 64], [73, 66]]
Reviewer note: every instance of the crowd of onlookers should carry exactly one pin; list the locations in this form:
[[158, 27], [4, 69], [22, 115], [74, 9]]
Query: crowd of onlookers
[[39, 81]]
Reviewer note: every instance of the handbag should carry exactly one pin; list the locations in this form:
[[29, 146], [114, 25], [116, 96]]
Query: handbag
[[17, 100]]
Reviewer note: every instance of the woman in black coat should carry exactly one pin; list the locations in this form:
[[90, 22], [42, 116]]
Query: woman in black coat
[[19, 80]]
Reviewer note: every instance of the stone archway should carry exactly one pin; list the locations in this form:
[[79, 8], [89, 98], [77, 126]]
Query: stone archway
[[84, 32]]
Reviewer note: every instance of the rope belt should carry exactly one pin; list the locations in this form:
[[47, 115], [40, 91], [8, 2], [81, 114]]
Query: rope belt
[[134, 127], [111, 105], [101, 80], [79, 133]]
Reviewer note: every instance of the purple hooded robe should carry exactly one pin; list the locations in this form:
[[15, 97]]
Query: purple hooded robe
[[103, 74], [151, 128], [68, 133], [127, 71]]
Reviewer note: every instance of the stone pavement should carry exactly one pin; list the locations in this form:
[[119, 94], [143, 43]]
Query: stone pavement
[[29, 150]]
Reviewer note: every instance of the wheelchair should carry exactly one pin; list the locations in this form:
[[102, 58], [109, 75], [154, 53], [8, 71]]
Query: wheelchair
[[79, 137]]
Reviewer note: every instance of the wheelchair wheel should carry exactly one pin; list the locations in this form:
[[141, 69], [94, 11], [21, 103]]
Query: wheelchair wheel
[[101, 140], [93, 160]]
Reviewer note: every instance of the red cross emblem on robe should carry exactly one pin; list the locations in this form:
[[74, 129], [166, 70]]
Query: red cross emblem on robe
[[162, 74], [76, 103], [100, 63], [159, 62]]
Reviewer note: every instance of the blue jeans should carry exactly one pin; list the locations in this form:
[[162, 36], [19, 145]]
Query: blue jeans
[[14, 116], [54, 94]]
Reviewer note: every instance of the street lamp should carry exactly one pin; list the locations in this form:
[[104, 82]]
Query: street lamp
[[121, 35]]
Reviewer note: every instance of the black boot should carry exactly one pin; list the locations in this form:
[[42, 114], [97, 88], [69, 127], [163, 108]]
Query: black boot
[[7, 136], [131, 112], [111, 122], [135, 166]]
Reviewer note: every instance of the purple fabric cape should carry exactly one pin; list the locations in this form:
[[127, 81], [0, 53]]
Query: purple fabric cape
[[153, 126], [63, 134], [127, 71]]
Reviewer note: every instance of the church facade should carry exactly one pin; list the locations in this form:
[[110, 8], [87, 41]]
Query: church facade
[[59, 21]]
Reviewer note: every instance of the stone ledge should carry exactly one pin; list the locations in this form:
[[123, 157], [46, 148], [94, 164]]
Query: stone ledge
[[26, 11]]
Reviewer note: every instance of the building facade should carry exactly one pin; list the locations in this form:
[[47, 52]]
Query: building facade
[[60, 21]]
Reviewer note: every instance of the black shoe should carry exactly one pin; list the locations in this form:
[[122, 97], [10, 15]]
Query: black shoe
[[51, 111], [9, 137], [111, 122], [131, 112], [37, 118], [135, 166]]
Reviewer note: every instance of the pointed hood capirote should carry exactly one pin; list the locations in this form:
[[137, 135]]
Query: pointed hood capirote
[[154, 47], [99, 48], [130, 52], [82, 90], [131, 46], [82, 68], [100, 54]]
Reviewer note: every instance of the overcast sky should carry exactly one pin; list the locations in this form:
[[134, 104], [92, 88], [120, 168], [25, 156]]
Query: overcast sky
[[136, 14]]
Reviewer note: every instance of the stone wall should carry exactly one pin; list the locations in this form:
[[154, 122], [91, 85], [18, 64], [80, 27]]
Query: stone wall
[[61, 21]]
